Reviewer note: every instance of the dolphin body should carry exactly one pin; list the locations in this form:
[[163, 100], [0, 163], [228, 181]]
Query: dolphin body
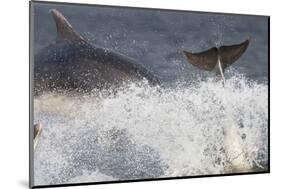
[[72, 64]]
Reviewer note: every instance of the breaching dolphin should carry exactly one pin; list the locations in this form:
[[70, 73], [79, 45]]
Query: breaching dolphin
[[72, 64], [217, 59]]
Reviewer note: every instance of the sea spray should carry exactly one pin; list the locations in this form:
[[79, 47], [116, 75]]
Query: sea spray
[[149, 132]]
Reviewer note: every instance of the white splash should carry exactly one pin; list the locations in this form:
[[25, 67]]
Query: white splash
[[154, 132]]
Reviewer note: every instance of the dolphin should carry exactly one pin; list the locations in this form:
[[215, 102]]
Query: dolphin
[[72, 64], [217, 59]]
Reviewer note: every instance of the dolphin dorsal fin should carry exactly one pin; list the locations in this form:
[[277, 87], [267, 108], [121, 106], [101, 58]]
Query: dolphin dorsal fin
[[64, 28], [207, 60]]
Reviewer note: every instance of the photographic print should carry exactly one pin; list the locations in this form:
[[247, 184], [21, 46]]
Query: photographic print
[[122, 94]]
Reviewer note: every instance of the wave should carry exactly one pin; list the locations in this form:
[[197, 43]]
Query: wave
[[150, 132]]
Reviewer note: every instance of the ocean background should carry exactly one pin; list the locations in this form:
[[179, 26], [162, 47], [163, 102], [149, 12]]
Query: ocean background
[[147, 132]]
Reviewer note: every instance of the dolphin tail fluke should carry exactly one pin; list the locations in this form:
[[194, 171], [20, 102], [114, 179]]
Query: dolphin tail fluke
[[64, 28], [37, 132], [208, 59], [229, 54]]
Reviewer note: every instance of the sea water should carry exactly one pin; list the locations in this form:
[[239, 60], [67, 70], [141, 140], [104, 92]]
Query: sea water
[[150, 132]]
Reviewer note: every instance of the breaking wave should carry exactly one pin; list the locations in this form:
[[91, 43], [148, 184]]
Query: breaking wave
[[151, 132]]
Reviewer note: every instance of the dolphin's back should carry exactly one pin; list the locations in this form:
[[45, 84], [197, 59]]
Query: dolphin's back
[[73, 64], [80, 66]]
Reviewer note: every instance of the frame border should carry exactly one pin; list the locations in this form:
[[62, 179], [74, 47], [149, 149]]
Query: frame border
[[31, 97]]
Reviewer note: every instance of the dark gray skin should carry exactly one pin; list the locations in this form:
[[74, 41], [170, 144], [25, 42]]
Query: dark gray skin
[[71, 64]]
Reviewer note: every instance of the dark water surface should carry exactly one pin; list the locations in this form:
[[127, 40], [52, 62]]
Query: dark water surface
[[156, 37]]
